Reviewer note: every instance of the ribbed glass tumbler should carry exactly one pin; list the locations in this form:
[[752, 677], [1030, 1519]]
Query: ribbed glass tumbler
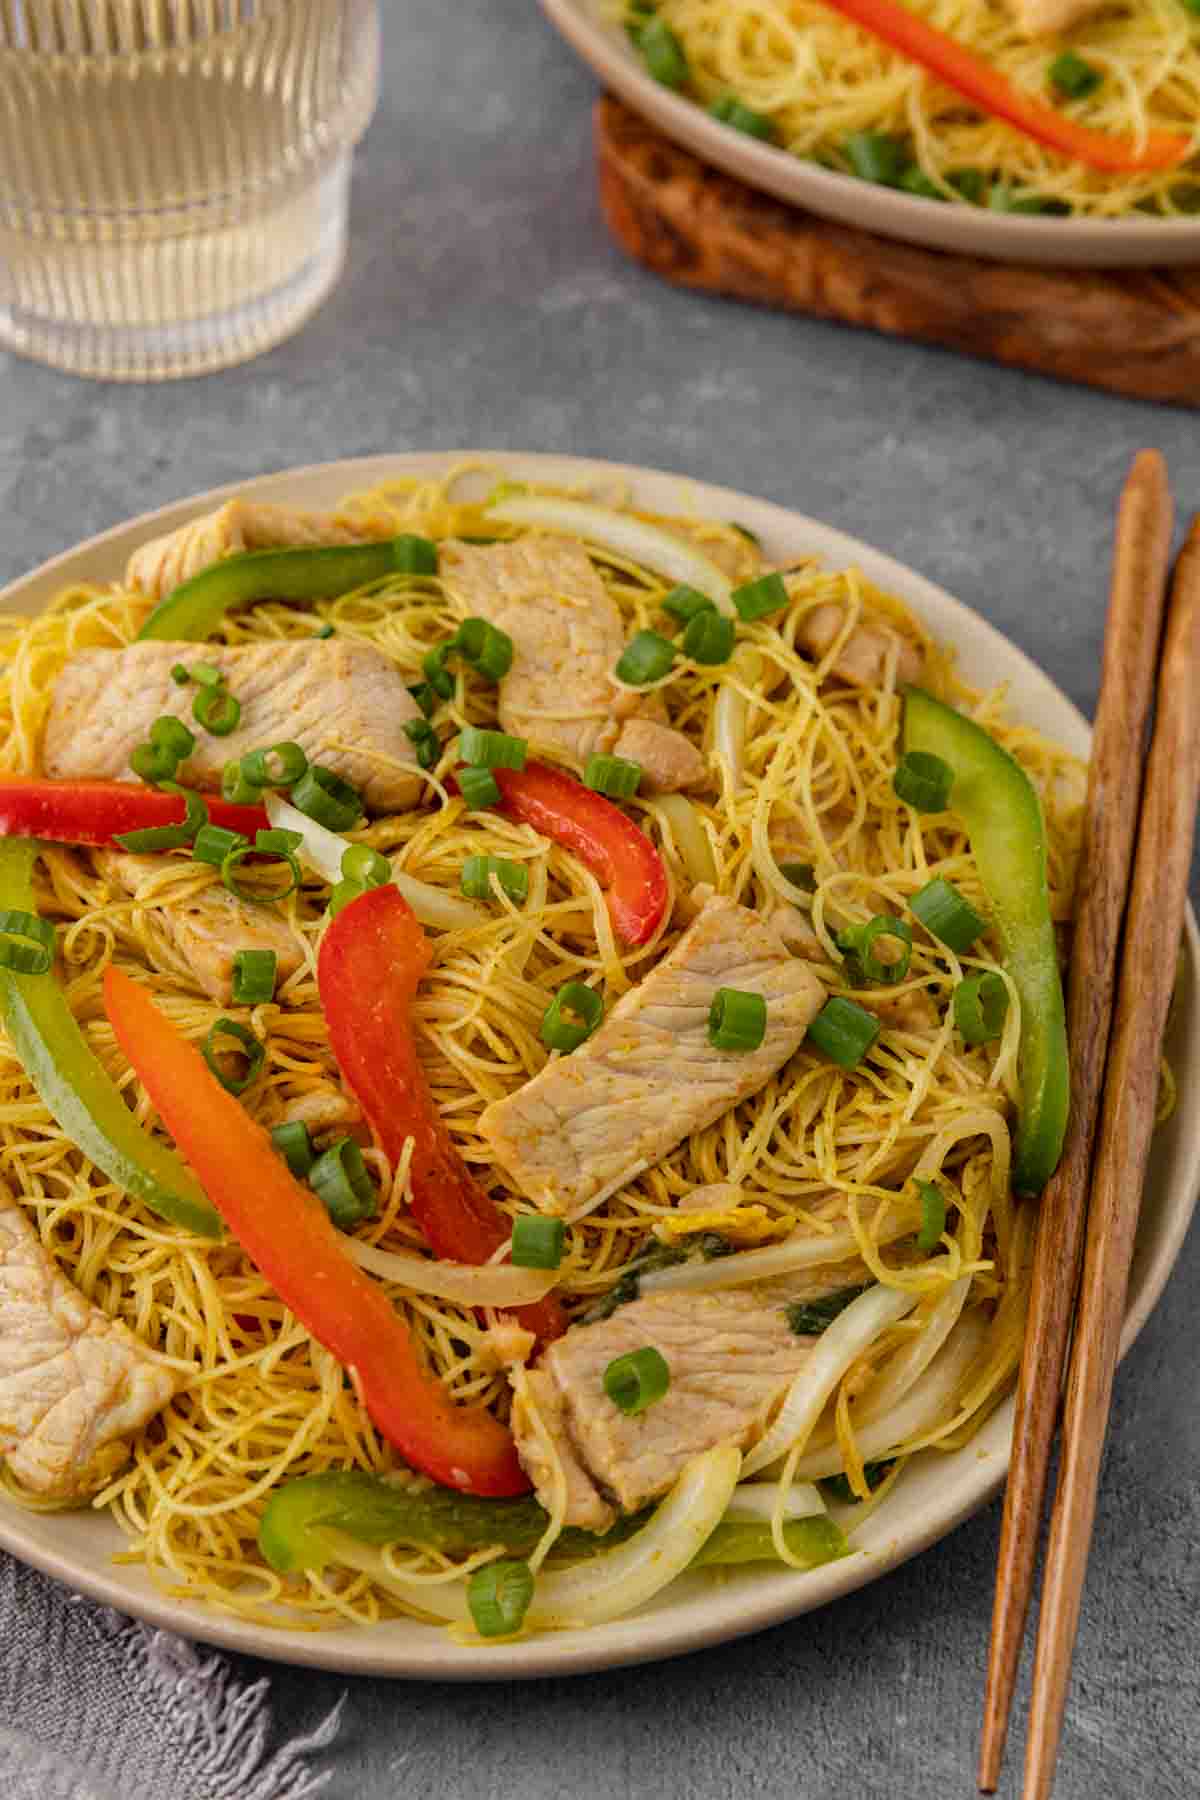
[[174, 175]]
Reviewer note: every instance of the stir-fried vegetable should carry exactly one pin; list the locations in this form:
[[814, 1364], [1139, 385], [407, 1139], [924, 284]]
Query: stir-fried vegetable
[[195, 608], [371, 961], [998, 805], [73, 1084], [102, 812], [286, 1233]]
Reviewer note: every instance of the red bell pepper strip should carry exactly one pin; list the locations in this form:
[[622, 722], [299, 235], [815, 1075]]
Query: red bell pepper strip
[[96, 812], [286, 1233], [372, 958], [617, 851], [982, 84]]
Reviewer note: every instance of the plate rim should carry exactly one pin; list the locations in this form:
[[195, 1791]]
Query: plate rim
[[994, 237], [713, 1613]]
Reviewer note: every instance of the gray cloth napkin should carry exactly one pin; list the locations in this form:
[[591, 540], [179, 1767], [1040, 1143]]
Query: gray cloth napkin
[[94, 1706]]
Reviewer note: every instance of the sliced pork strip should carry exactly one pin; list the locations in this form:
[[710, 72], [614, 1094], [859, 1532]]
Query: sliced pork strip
[[567, 639], [670, 763], [71, 1380], [649, 1076], [586, 1506], [863, 658], [156, 568], [731, 1356], [208, 928], [321, 695], [1037, 18]]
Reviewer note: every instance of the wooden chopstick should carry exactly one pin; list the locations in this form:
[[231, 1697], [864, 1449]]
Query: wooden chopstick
[[1140, 562], [1157, 903]]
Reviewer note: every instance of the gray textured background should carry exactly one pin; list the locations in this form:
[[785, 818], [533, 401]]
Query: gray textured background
[[484, 305]]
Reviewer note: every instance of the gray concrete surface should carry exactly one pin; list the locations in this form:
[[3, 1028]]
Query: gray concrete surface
[[484, 305]]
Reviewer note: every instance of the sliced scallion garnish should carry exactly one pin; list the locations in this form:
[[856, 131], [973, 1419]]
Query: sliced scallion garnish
[[736, 1020], [648, 656], [156, 839], [478, 788], [214, 843], [636, 1380], [683, 603], [340, 1180], [617, 776], [365, 865], [217, 710], [425, 741], [254, 1052], [254, 976], [923, 781], [843, 1031], [295, 1146], [233, 859], [488, 649], [491, 749], [477, 873], [980, 1007], [663, 54], [498, 1597], [26, 943], [537, 1243], [280, 766], [858, 941], [709, 638], [947, 916], [758, 598], [933, 1215], [236, 788], [571, 1017], [325, 797]]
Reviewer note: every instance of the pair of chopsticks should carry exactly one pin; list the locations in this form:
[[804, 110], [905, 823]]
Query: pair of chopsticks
[[1097, 1189]]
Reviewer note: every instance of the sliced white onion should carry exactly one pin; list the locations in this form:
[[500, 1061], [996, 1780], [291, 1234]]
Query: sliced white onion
[[852, 1332], [489, 1284], [690, 837], [918, 1412], [908, 1367], [759, 1500], [795, 1253], [732, 709], [321, 850], [607, 1585], [625, 536]]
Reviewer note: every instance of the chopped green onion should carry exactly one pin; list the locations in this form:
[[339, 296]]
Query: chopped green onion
[[758, 598], [969, 183], [207, 674], [425, 697], [295, 1146], [179, 674], [874, 1473], [255, 1053], [843, 1031], [915, 181], [571, 1016], [801, 876], [709, 638], [153, 763], [875, 156], [1073, 76], [326, 631], [172, 735], [537, 1243], [636, 1380], [366, 866], [663, 54], [26, 943], [325, 797], [340, 1180], [232, 860], [647, 657], [923, 781], [731, 112], [498, 1597], [488, 649], [277, 841], [491, 749], [216, 709], [477, 872], [736, 1020], [980, 1007], [254, 975], [415, 555], [280, 766], [947, 916], [933, 1215], [425, 741], [478, 788], [342, 893], [859, 942], [236, 788], [617, 776], [158, 838], [1003, 199], [213, 844], [437, 676], [683, 603]]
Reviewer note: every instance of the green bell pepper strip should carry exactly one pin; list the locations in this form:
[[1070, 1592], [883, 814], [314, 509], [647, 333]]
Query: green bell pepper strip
[[298, 1528], [74, 1085], [997, 803], [195, 608]]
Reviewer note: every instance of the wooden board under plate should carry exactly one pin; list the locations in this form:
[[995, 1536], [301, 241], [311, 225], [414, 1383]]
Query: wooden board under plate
[[1134, 332]]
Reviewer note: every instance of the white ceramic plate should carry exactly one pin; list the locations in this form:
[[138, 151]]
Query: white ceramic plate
[[1002, 237], [936, 1493]]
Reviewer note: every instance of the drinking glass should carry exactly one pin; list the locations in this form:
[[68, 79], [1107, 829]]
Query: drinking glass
[[174, 175]]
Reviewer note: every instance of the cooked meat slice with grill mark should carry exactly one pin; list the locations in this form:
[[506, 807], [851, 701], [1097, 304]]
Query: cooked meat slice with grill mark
[[208, 927], [731, 1356], [157, 567], [863, 658], [71, 1380], [670, 763], [1037, 18], [344, 704], [586, 1506], [567, 639], [649, 1076]]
